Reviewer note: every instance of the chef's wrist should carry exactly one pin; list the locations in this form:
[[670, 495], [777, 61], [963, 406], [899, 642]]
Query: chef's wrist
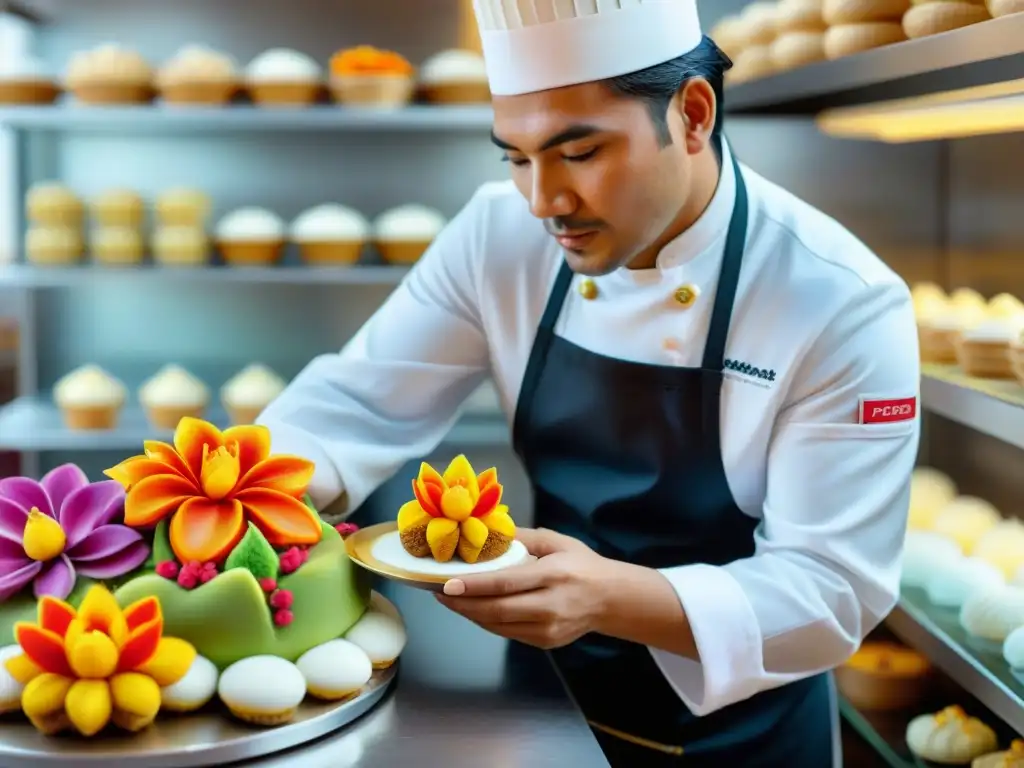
[[640, 605]]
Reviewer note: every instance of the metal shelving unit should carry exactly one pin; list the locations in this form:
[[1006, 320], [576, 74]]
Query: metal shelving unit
[[982, 54], [994, 408]]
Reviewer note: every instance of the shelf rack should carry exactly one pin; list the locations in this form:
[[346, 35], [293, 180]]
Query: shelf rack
[[981, 54]]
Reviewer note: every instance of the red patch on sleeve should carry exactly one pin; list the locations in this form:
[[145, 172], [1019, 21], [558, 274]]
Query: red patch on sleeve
[[884, 411]]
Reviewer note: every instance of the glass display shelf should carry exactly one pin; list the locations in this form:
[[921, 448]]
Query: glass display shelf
[[979, 669], [995, 408], [35, 425], [882, 732], [29, 276], [68, 116]]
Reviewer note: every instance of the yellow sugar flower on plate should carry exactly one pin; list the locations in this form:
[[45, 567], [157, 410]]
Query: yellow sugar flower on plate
[[456, 512], [95, 665]]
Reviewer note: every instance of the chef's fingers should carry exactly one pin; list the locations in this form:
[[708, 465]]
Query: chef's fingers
[[509, 581], [491, 612], [540, 542]]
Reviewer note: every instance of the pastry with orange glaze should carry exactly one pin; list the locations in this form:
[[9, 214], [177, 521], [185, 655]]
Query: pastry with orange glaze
[[370, 76], [1011, 758], [884, 676], [458, 512], [950, 737]]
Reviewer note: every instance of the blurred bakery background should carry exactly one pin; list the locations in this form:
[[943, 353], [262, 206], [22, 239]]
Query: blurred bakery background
[[197, 198]]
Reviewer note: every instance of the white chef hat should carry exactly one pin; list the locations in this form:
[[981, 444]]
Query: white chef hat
[[534, 45]]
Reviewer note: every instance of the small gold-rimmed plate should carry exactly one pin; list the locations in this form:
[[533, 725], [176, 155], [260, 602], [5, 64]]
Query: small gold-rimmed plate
[[378, 549]]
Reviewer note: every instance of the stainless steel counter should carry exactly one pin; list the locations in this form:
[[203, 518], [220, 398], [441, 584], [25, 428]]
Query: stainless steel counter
[[463, 699]]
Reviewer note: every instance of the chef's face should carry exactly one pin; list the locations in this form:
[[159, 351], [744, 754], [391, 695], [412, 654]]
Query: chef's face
[[609, 186]]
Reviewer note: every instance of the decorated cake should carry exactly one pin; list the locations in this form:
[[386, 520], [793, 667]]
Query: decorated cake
[[456, 513], [199, 571]]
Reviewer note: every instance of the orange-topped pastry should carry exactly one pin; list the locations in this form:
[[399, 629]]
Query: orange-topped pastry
[[458, 512], [950, 737], [1011, 758], [371, 76], [884, 676]]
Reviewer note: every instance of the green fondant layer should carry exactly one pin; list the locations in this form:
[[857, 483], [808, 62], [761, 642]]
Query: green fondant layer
[[228, 618], [23, 608]]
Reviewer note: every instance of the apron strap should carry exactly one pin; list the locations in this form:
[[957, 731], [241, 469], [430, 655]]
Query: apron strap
[[729, 279]]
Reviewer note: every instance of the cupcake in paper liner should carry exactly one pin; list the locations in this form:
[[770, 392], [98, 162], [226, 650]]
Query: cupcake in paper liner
[[368, 76], [282, 77], [938, 333], [251, 237], [90, 398], [54, 246], [403, 234], [181, 246], [51, 204], [183, 207], [171, 395], [110, 74], [198, 75], [117, 246], [984, 350], [118, 208], [454, 77], [249, 392], [330, 234], [26, 81]]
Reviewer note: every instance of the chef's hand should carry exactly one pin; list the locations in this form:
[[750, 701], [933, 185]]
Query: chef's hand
[[548, 602]]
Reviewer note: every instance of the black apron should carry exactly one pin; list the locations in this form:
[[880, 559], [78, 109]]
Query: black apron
[[627, 458]]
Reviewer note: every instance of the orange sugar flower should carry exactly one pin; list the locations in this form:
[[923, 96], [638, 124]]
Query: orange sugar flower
[[210, 483], [459, 493]]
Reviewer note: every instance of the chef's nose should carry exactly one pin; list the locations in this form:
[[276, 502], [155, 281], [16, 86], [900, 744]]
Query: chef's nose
[[549, 197]]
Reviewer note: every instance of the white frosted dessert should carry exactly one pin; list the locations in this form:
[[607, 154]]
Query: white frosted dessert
[[249, 391], [409, 223], [993, 613], [197, 64], [454, 66], [930, 492], [967, 297], [330, 222], [950, 737], [25, 69], [251, 236], [924, 553], [90, 398], [956, 318], [1005, 305], [171, 395], [965, 520], [110, 74], [1013, 649], [950, 585], [283, 65], [996, 330]]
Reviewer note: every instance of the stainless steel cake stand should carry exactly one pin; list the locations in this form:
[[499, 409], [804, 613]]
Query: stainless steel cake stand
[[210, 737]]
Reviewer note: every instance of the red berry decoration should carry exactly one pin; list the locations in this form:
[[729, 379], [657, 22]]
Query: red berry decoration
[[207, 572], [268, 585], [281, 599], [187, 579], [168, 569], [283, 617], [346, 529]]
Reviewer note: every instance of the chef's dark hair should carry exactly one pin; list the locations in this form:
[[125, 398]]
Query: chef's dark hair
[[658, 84]]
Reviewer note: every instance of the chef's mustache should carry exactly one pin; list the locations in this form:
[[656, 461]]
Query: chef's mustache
[[561, 225]]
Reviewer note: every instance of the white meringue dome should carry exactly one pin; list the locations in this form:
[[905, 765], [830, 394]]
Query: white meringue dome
[[957, 580], [924, 553], [992, 614]]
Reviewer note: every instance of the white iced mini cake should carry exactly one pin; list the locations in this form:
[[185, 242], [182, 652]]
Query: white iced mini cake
[[996, 330], [453, 66], [255, 386], [408, 223], [251, 225], [197, 63], [108, 63], [993, 613], [925, 553], [330, 222], [89, 387], [283, 65], [173, 386], [24, 69], [952, 584]]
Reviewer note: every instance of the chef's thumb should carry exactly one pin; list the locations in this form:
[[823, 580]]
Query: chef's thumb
[[540, 542]]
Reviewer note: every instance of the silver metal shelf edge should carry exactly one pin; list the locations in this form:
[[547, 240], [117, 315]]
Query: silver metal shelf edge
[[917, 629], [982, 53], [989, 415], [34, 424], [69, 116], [28, 276]]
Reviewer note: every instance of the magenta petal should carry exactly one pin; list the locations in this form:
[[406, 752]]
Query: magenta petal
[[27, 493], [104, 541], [125, 561], [12, 520], [57, 578], [16, 577], [88, 508], [11, 551], [61, 482]]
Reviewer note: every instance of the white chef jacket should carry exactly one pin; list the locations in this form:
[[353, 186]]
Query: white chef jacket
[[819, 324]]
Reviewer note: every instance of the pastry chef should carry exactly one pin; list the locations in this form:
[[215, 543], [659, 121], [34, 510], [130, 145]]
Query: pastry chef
[[712, 387]]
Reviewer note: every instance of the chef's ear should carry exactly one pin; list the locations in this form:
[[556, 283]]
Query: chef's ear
[[698, 106]]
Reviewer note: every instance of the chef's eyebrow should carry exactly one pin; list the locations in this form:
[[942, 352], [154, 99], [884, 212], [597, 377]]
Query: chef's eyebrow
[[572, 133]]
